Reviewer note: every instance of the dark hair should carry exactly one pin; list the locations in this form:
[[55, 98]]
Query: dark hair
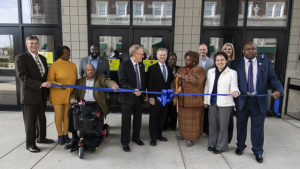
[[60, 51], [194, 56], [31, 37], [173, 54], [220, 53]]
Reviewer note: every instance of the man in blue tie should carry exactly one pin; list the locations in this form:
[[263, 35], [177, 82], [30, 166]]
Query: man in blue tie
[[159, 77], [255, 74]]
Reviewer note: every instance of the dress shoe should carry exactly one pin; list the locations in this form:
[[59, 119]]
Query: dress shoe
[[259, 158], [217, 151], [153, 143], [161, 138], [126, 147], [239, 151], [189, 143], [66, 138], [33, 149], [46, 141], [211, 149], [138, 142], [61, 140]]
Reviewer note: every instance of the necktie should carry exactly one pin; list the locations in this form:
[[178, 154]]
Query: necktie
[[164, 73], [137, 75], [250, 77], [39, 64]]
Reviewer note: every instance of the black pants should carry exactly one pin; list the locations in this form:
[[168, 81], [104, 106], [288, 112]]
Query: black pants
[[231, 126], [171, 119], [35, 122], [136, 110], [205, 121], [157, 119]]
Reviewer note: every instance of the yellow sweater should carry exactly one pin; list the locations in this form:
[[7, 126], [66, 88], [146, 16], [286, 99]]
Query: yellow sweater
[[61, 72]]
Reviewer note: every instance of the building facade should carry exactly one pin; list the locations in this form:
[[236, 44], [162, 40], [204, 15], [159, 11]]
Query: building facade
[[178, 25]]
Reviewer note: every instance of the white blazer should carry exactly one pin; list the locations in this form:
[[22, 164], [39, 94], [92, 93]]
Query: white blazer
[[227, 84]]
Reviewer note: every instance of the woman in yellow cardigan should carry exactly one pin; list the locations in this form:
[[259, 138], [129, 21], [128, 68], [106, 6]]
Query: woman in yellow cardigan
[[62, 72]]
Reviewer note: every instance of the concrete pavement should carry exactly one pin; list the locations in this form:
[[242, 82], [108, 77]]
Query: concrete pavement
[[282, 149]]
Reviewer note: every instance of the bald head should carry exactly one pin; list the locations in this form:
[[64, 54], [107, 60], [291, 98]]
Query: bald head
[[89, 71]]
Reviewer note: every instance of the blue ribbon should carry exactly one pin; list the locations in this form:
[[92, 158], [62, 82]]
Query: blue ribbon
[[166, 95]]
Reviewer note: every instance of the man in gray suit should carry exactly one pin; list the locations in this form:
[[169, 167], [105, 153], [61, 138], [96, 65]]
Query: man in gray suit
[[100, 64], [205, 61]]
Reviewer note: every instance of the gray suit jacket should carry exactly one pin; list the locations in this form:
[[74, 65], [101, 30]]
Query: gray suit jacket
[[209, 64], [103, 66]]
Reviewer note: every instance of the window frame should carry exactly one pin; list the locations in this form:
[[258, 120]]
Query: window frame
[[98, 9], [274, 5], [117, 8], [214, 5], [161, 9], [142, 8]]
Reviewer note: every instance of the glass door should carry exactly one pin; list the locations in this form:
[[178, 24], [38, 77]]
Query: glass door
[[9, 47]]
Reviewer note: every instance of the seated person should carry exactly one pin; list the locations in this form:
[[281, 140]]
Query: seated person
[[91, 96]]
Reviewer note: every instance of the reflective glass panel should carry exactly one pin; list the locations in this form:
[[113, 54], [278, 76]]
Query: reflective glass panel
[[110, 45], [215, 46], [46, 47], [9, 11], [40, 11], [152, 12], [212, 13], [8, 94], [266, 47], [267, 13], [151, 44], [105, 12]]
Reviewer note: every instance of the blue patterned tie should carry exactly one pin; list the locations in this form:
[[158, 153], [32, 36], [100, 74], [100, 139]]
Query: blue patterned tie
[[164, 73], [250, 78], [137, 75]]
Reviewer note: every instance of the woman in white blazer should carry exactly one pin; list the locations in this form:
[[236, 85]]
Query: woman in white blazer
[[220, 80]]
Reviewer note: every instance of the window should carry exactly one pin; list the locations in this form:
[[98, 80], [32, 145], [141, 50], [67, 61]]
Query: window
[[121, 8], [138, 8], [209, 9], [274, 9], [250, 9], [101, 8], [168, 9], [157, 9]]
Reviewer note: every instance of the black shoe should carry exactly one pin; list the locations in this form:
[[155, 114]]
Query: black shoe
[[126, 147], [259, 158], [239, 151], [33, 149], [153, 143], [161, 138], [66, 138], [217, 151], [138, 142], [46, 141], [61, 140], [211, 149]]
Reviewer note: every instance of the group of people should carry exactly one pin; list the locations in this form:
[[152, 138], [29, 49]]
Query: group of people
[[248, 75]]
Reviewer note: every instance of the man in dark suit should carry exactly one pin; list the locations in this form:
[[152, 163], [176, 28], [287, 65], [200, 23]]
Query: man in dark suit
[[132, 76], [255, 73], [100, 64], [159, 77], [32, 70]]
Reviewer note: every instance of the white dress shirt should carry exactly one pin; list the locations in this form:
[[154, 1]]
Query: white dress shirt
[[89, 96], [34, 55], [254, 65], [161, 68]]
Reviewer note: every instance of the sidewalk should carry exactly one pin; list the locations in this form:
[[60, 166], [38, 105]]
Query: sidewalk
[[282, 149]]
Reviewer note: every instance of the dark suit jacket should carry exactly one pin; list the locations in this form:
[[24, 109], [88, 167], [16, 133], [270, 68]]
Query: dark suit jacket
[[265, 76], [102, 68], [100, 96], [155, 79], [30, 78], [127, 80]]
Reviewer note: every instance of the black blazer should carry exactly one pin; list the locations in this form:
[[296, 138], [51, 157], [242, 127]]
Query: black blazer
[[127, 80], [156, 80], [30, 78]]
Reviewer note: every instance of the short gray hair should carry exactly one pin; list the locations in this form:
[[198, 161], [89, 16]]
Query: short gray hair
[[162, 49], [134, 48], [31, 37]]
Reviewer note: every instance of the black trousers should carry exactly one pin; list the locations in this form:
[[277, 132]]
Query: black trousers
[[231, 126], [35, 122], [157, 119], [136, 110], [171, 119], [205, 121]]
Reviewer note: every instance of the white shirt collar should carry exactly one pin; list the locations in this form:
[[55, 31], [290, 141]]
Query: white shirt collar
[[254, 60], [160, 64]]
